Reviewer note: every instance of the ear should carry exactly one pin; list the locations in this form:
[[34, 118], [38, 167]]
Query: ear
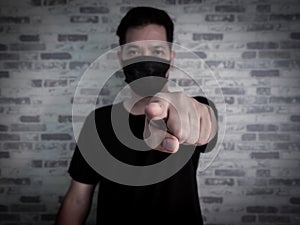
[[120, 57], [172, 59]]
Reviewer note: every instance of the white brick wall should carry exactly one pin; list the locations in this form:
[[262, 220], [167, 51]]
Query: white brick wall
[[252, 47]]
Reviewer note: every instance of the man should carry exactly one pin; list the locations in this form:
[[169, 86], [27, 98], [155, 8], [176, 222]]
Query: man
[[190, 122]]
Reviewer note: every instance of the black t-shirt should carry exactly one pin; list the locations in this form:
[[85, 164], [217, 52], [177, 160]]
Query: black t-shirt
[[172, 200]]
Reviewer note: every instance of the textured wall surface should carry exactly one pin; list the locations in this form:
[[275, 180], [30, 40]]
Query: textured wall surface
[[253, 48]]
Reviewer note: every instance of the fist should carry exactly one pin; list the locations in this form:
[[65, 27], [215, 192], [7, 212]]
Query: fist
[[175, 118]]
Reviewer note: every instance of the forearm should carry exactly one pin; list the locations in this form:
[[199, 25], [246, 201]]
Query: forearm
[[72, 212], [76, 205]]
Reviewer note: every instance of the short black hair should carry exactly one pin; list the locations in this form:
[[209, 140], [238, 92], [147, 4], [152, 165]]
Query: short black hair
[[142, 16]]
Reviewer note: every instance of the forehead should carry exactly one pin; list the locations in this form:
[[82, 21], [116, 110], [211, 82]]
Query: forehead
[[147, 32], [146, 44]]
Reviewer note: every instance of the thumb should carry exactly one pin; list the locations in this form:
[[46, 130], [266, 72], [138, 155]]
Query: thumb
[[157, 110]]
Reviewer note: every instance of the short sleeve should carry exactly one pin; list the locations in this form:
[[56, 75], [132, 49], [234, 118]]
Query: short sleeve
[[80, 170]]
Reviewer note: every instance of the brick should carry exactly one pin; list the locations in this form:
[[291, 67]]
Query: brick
[[285, 17], [264, 73], [30, 119], [285, 100], [69, 119], [3, 47], [290, 127], [263, 173], [230, 172], [30, 199], [189, 1], [36, 2], [84, 19], [260, 191], [212, 199], [18, 65], [219, 181], [290, 209], [219, 18], [273, 219], [55, 83], [51, 146], [36, 83], [29, 37], [261, 209], [200, 54], [232, 91], [18, 101], [262, 45], [14, 19], [3, 208], [54, 2], [284, 182], [48, 217], [248, 218], [287, 64], [56, 55], [15, 181], [295, 200], [90, 91], [9, 137], [28, 127], [56, 136], [55, 163], [229, 100], [295, 35], [9, 56], [37, 163], [260, 27], [50, 65], [248, 55], [18, 145], [27, 47], [72, 37], [125, 9], [4, 155], [264, 155], [252, 100], [3, 128], [9, 217], [290, 44], [220, 64], [263, 91], [28, 208], [248, 137], [75, 65], [207, 36], [273, 54], [295, 118], [4, 74], [261, 127], [252, 18], [286, 146], [263, 8], [230, 8], [99, 9]]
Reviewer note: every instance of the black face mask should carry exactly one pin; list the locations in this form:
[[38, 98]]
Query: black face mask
[[152, 69]]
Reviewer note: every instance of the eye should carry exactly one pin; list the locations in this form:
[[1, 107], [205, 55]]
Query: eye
[[158, 52], [132, 52]]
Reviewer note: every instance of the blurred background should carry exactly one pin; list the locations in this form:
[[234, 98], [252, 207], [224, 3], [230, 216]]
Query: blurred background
[[251, 46]]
